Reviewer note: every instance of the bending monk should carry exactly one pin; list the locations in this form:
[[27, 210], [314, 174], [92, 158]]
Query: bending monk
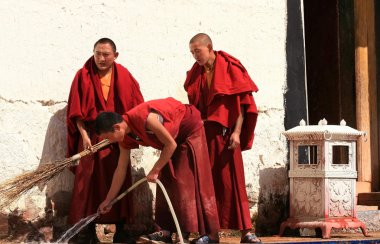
[[183, 166]]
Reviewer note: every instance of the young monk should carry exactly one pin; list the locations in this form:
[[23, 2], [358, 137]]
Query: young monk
[[183, 166], [220, 87], [100, 85]]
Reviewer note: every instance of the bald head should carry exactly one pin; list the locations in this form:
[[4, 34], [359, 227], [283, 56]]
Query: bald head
[[201, 49], [202, 38]]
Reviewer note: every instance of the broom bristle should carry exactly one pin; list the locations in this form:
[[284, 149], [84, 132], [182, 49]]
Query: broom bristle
[[13, 189]]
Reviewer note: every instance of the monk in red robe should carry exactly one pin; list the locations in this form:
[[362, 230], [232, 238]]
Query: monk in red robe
[[220, 87], [183, 166], [101, 85]]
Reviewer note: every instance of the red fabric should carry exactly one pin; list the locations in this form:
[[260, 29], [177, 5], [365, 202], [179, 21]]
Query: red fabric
[[190, 188], [171, 110], [187, 177], [94, 174], [231, 88], [228, 175]]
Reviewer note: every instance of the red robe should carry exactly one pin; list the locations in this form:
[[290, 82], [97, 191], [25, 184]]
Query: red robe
[[187, 177], [93, 176], [220, 105]]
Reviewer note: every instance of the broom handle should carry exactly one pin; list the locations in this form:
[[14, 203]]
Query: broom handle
[[94, 148]]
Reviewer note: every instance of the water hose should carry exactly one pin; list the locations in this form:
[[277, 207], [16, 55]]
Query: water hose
[[166, 197], [84, 222], [172, 211]]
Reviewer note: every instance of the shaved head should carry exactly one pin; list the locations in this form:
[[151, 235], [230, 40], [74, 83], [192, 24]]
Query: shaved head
[[201, 49], [106, 40], [202, 38]]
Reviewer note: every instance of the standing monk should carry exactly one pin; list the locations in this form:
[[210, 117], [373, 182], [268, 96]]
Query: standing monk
[[101, 85], [220, 87], [183, 166]]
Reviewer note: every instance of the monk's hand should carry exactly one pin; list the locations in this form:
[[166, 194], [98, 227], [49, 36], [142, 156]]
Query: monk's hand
[[234, 140], [87, 143], [103, 207], [153, 175]]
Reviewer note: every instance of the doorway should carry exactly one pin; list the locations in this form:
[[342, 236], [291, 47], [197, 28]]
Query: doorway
[[330, 64]]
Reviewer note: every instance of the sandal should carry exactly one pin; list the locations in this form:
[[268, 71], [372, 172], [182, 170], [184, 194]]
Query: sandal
[[250, 238], [159, 237], [203, 240]]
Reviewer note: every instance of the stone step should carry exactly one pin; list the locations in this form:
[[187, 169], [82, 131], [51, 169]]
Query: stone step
[[371, 218], [366, 208]]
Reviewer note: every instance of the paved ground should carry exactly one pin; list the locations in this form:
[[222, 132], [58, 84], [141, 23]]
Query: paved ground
[[335, 238], [351, 238], [342, 238]]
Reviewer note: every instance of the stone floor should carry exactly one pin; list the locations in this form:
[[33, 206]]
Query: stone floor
[[341, 238], [231, 238], [335, 238]]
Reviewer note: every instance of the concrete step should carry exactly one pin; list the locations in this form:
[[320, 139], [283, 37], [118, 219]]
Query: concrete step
[[366, 208], [371, 218]]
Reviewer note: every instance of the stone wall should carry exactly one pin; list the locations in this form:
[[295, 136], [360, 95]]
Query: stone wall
[[47, 41]]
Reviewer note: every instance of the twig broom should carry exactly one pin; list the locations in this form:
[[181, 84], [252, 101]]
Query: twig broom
[[12, 189]]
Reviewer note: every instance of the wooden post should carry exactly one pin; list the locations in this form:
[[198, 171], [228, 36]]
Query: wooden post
[[373, 98], [365, 83]]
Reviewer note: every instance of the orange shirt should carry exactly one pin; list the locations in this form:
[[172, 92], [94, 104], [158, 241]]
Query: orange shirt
[[105, 82]]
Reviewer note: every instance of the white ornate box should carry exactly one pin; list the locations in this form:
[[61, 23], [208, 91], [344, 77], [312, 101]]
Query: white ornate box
[[322, 177]]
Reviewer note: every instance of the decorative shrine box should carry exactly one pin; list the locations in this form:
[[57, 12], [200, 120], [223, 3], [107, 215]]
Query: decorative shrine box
[[322, 177]]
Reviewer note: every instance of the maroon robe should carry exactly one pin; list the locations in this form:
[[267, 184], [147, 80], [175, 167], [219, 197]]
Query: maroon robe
[[220, 105], [187, 176], [93, 176]]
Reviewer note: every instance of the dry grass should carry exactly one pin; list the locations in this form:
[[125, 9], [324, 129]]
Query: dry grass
[[14, 188]]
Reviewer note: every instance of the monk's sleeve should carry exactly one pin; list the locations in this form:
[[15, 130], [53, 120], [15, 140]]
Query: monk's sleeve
[[74, 104], [73, 111], [247, 102], [80, 105]]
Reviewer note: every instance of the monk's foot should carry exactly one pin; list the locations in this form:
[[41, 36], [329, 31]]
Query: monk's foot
[[158, 237], [203, 240], [250, 238]]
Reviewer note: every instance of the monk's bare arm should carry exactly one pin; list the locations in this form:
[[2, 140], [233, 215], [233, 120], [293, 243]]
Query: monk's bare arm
[[235, 136], [118, 178], [164, 136], [82, 130], [239, 123]]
